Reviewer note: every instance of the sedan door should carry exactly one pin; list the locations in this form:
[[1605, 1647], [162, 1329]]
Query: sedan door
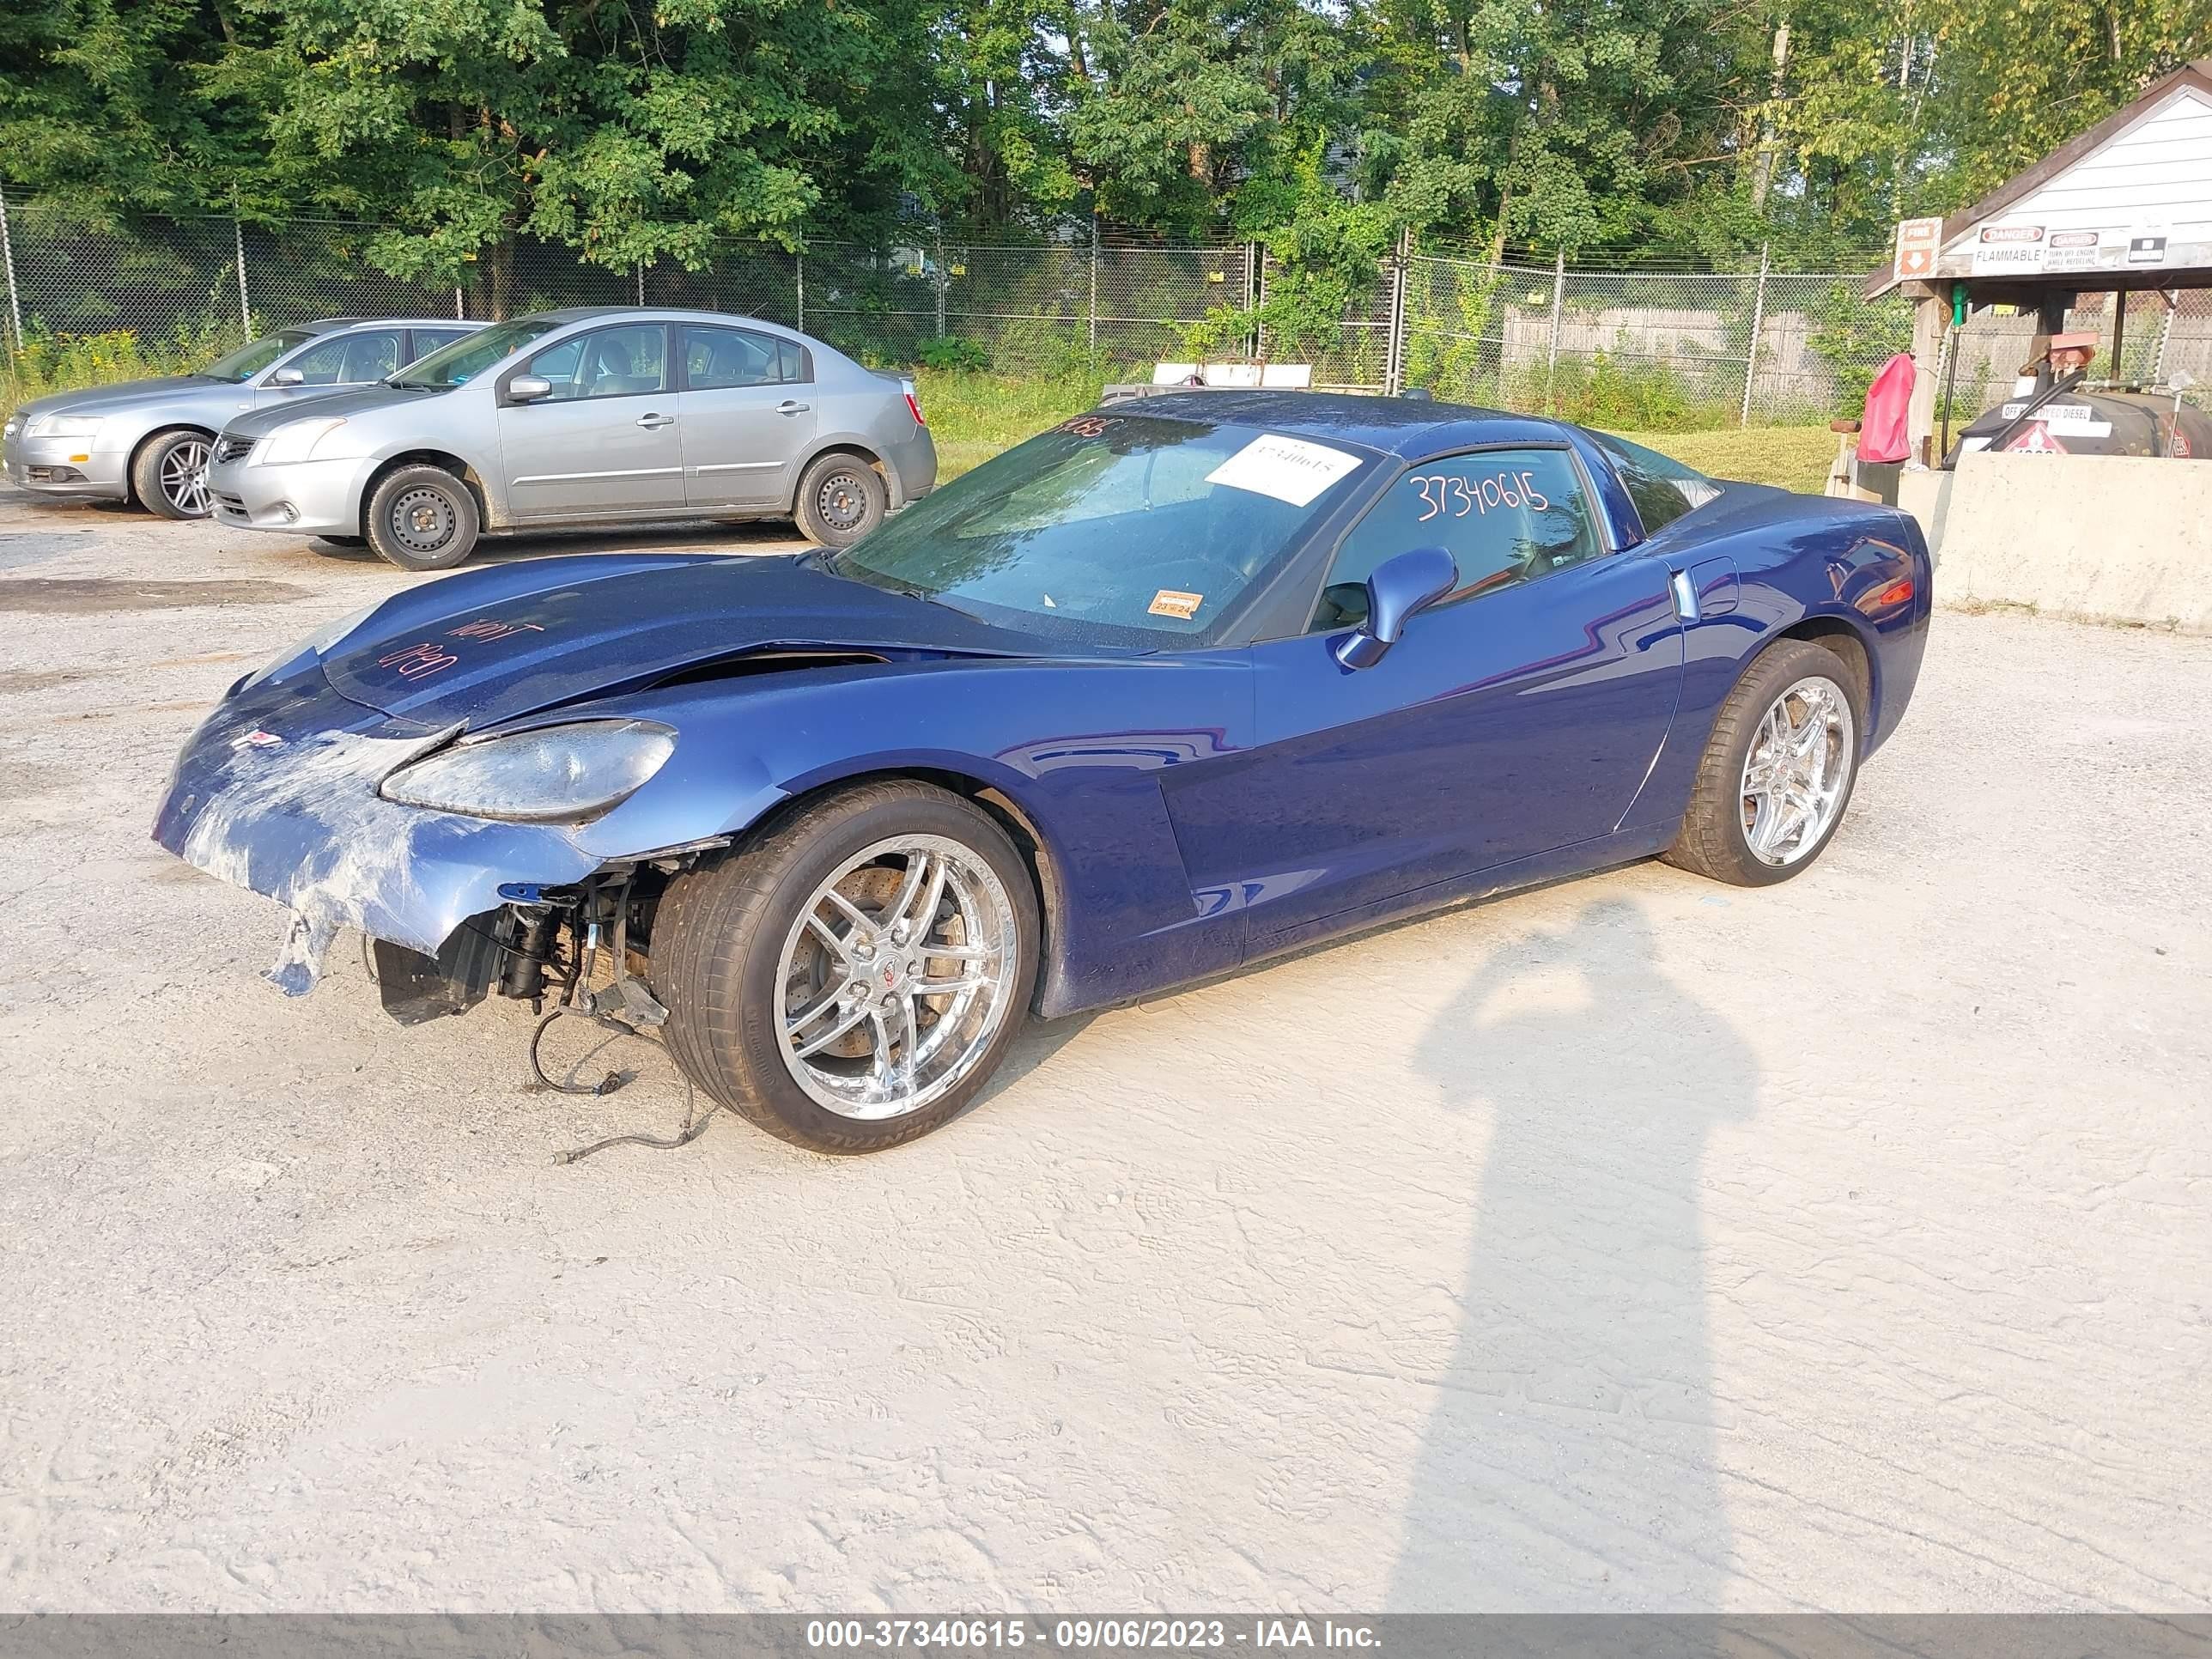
[[606, 442], [1516, 717], [748, 415]]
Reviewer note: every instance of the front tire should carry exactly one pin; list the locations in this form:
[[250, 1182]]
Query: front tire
[[841, 499], [168, 475], [851, 980], [1777, 771], [421, 518]]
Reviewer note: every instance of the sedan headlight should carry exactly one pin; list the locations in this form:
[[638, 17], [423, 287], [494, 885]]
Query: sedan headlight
[[64, 426], [558, 774], [294, 440]]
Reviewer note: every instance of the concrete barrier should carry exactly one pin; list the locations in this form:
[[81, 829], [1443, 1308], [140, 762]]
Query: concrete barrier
[[2111, 537]]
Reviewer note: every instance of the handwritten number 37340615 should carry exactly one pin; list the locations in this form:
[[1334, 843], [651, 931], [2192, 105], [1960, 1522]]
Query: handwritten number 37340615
[[1446, 492]]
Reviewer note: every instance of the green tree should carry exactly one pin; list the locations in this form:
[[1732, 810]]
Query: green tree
[[629, 136]]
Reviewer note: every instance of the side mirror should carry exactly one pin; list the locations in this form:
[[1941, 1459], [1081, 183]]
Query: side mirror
[[1396, 589], [528, 388], [287, 377]]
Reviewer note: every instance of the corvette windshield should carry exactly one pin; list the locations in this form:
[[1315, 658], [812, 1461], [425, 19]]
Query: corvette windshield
[[1113, 528], [449, 366]]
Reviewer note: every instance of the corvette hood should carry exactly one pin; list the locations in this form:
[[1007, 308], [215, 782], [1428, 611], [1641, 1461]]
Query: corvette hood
[[509, 639]]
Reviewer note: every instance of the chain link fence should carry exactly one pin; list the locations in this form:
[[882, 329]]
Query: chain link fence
[[1645, 349]]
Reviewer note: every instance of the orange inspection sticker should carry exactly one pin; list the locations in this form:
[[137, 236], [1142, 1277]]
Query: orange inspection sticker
[[1169, 602]]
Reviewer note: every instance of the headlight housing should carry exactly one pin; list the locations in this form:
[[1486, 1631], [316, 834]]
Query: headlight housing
[[294, 440], [554, 774], [64, 426]]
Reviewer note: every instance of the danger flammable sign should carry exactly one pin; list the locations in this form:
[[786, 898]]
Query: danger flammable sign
[[1918, 242]]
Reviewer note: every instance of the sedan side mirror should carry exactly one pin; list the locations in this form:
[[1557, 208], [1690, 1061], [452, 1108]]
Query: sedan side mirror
[[287, 377], [528, 388], [1396, 589]]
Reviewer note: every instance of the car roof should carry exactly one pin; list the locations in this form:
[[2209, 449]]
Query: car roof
[[331, 324], [657, 314], [1406, 427]]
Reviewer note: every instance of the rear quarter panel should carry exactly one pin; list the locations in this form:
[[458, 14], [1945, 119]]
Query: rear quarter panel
[[1805, 563]]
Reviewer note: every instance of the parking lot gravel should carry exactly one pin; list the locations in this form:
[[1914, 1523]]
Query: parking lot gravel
[[1635, 1243]]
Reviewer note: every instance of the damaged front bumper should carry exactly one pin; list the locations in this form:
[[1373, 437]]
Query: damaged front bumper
[[277, 793]]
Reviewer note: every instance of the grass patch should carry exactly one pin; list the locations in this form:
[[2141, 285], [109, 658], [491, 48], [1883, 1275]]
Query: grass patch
[[973, 415], [1793, 457]]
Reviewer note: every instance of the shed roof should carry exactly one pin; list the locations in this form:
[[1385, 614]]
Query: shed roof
[[2128, 201]]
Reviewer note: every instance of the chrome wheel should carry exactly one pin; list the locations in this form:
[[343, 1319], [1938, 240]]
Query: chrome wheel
[[423, 520], [896, 976], [842, 502], [184, 477], [1798, 771]]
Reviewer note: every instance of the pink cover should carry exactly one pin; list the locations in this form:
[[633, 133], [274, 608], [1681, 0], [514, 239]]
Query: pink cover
[[1881, 428]]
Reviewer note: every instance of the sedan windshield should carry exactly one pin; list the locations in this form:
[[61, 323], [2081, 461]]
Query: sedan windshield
[[250, 359], [1110, 528], [449, 366]]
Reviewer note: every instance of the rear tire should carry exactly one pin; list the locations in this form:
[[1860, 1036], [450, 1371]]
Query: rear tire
[[1778, 770], [742, 948], [421, 518], [168, 475], [841, 499]]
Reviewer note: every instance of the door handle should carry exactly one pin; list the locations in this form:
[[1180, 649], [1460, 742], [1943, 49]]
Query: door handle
[[656, 420], [792, 406]]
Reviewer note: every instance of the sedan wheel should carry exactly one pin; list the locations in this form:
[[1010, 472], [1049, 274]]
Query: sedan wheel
[[841, 499], [421, 518], [853, 979], [1777, 771], [169, 476]]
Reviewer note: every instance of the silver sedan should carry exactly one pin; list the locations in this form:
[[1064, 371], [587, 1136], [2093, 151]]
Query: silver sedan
[[580, 417], [148, 440]]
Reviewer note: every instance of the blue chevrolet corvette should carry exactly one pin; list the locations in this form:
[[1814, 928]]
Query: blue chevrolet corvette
[[1171, 687]]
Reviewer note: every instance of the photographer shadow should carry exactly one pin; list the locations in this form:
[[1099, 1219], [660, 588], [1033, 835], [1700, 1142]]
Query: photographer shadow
[[1569, 1461]]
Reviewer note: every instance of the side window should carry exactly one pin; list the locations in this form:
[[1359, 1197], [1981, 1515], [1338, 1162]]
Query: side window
[[1663, 489], [717, 358], [1504, 515], [352, 359], [610, 362], [428, 340], [798, 367]]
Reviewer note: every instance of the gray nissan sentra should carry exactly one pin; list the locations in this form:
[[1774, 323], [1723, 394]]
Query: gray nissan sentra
[[584, 416], [147, 440]]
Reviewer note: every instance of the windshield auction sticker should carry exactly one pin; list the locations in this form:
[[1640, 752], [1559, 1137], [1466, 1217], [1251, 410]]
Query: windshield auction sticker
[[1289, 469]]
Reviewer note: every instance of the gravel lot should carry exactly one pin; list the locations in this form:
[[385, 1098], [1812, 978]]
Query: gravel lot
[[1632, 1244]]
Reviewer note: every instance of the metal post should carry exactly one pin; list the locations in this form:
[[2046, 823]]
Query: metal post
[[641, 284], [460, 311], [939, 285], [1558, 299], [1255, 258], [1094, 285], [798, 270], [1394, 348], [14, 302], [245, 305], [2120, 336], [1758, 324]]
